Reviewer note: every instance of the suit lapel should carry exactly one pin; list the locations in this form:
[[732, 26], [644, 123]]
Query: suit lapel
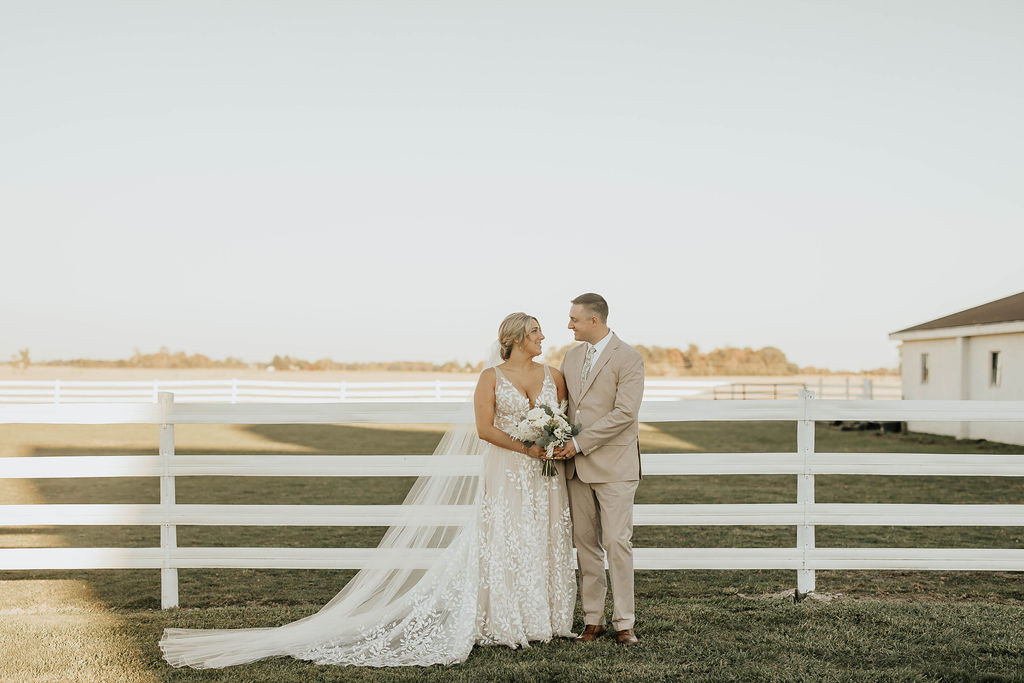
[[573, 369], [602, 360]]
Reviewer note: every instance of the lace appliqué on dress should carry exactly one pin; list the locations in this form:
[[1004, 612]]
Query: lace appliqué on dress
[[527, 576]]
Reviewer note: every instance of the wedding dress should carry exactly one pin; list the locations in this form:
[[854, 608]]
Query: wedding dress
[[504, 577]]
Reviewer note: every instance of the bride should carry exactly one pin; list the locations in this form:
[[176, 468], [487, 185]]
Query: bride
[[503, 577]]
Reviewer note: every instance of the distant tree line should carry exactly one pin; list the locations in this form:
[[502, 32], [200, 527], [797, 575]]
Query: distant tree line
[[730, 360], [659, 360], [164, 358], [289, 363]]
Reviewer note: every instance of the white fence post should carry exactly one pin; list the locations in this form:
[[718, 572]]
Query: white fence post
[[234, 390], [342, 389], [56, 391], [868, 392], [805, 495], [437, 390], [168, 531]]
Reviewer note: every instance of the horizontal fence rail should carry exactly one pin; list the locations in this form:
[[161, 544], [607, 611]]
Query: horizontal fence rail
[[277, 391], [943, 559], [441, 413], [804, 513], [867, 389]]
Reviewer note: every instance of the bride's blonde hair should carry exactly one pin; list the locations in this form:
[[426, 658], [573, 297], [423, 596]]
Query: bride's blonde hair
[[513, 329]]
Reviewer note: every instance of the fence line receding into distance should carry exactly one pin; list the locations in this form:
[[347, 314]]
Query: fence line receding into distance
[[276, 391]]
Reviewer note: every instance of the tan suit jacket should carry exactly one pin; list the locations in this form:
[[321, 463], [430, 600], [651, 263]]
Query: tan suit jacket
[[606, 407]]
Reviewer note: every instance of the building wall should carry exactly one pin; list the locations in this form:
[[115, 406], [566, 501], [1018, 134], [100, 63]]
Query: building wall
[[943, 379], [1010, 388], [945, 383]]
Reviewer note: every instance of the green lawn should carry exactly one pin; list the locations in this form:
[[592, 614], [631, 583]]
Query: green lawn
[[699, 625]]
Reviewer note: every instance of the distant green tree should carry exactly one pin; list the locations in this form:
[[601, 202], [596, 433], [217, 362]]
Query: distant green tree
[[21, 359]]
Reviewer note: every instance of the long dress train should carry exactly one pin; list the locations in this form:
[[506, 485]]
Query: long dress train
[[504, 577]]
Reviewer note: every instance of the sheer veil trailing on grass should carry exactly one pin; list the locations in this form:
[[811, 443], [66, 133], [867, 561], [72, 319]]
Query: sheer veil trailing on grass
[[409, 606], [482, 554]]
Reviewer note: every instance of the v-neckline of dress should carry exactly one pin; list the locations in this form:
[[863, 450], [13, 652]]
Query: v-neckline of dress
[[526, 395]]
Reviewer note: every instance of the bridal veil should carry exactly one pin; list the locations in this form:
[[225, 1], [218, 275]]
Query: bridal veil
[[408, 606]]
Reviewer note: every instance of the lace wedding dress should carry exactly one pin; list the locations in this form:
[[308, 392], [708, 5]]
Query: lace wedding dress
[[505, 577]]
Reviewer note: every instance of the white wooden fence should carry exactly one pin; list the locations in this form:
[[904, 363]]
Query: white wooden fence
[[803, 513], [273, 391], [845, 388]]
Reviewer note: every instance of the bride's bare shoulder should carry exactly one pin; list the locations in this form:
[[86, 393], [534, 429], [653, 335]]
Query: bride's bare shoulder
[[486, 384]]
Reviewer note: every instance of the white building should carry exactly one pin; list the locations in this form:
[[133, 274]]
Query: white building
[[974, 354]]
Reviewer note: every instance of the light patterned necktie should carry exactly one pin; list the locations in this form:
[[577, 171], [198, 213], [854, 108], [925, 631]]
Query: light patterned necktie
[[588, 361]]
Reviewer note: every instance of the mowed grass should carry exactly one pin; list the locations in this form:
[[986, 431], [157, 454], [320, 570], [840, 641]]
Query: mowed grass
[[694, 625]]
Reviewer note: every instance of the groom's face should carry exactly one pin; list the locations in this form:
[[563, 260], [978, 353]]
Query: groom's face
[[582, 323]]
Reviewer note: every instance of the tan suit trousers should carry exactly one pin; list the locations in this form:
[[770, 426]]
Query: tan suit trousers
[[602, 522]]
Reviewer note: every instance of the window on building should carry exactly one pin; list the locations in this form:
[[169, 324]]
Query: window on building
[[924, 368], [995, 376]]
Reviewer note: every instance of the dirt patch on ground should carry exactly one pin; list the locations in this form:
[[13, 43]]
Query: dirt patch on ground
[[792, 595]]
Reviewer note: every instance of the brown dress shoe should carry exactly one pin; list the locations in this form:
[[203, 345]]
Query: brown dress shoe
[[590, 632], [626, 637]]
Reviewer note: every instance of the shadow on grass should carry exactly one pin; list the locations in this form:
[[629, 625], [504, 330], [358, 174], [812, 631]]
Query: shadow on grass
[[718, 437], [355, 439], [780, 437], [337, 439]]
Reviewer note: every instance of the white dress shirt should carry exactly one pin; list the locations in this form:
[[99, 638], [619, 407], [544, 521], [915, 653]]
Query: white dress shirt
[[599, 347]]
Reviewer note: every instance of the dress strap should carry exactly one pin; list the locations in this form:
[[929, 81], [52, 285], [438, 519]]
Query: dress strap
[[498, 372], [547, 371]]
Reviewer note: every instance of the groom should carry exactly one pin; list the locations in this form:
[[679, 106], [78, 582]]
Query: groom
[[605, 379]]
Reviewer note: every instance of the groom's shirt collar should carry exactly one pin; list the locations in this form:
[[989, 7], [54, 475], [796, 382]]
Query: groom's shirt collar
[[600, 346]]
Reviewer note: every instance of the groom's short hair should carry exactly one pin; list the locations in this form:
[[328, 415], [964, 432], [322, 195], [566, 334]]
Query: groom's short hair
[[595, 304]]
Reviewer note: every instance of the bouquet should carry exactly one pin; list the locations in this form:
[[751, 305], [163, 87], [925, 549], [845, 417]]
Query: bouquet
[[547, 427]]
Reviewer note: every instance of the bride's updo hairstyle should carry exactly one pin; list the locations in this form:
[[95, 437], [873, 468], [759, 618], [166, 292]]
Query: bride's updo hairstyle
[[513, 329]]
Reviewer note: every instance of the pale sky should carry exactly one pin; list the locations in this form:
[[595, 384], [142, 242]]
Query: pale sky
[[387, 180]]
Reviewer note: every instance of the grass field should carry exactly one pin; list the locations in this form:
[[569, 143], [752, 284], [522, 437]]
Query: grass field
[[694, 625]]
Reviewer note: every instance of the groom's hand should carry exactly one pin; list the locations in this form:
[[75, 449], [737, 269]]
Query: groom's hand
[[565, 452]]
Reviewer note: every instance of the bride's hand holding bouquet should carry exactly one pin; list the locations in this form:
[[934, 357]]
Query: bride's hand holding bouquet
[[548, 427]]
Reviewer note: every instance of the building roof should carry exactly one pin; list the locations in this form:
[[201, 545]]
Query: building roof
[[1010, 309]]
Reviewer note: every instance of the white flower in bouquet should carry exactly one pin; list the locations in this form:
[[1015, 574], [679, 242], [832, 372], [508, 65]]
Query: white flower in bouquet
[[548, 427], [537, 415]]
